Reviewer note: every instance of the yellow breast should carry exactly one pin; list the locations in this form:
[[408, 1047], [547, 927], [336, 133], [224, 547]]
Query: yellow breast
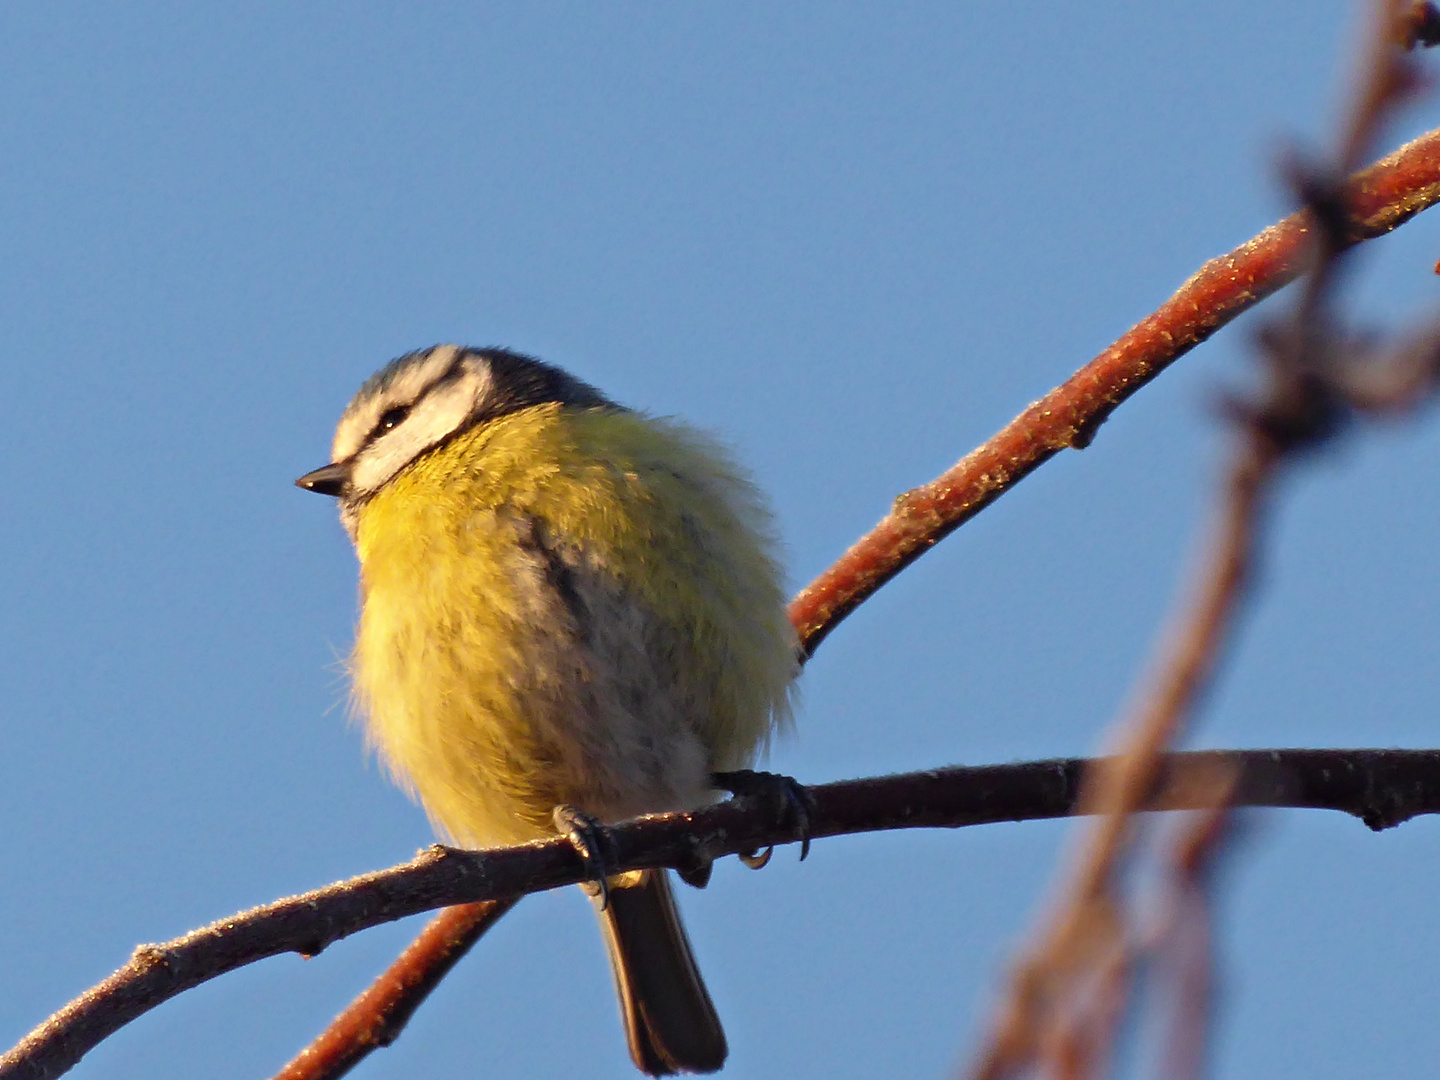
[[568, 606]]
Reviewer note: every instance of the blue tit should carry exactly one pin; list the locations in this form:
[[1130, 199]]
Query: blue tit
[[564, 604]]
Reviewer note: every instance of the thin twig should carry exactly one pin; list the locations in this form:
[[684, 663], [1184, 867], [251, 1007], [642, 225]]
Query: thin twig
[[1381, 787], [377, 1016]]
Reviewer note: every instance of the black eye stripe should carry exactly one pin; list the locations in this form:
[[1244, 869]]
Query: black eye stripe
[[389, 419]]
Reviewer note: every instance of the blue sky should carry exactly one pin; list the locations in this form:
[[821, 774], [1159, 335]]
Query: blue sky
[[854, 240]]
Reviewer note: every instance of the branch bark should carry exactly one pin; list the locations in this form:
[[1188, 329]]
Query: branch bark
[[1381, 787], [1383, 197], [377, 1016]]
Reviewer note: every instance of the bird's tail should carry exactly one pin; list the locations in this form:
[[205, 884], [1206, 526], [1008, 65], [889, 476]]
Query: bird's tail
[[670, 1021]]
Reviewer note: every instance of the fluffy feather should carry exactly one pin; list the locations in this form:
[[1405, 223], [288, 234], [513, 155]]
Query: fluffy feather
[[575, 606]]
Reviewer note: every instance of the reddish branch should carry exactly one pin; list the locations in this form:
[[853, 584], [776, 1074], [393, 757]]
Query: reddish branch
[[1381, 787], [1182, 942], [1383, 196], [376, 1017]]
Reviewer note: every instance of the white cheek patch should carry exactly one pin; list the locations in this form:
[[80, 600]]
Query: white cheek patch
[[408, 385], [431, 420]]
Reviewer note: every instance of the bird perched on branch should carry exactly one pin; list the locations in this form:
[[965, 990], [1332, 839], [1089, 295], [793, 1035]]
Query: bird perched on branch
[[571, 614]]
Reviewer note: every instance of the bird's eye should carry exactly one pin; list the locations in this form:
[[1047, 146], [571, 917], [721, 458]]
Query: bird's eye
[[392, 418]]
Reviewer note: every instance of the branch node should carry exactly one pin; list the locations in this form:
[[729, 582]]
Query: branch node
[[1083, 433], [1385, 810], [148, 957]]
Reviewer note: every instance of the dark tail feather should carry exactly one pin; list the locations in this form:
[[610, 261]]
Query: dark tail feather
[[669, 1019]]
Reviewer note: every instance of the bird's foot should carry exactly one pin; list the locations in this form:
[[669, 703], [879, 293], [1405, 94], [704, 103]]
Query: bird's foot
[[588, 836], [791, 801]]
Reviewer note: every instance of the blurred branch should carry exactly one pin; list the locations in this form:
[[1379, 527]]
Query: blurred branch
[[1182, 941], [1422, 27], [1083, 936], [1066, 993], [1381, 787]]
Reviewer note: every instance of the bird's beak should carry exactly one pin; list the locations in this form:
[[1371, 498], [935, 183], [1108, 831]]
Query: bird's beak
[[327, 480]]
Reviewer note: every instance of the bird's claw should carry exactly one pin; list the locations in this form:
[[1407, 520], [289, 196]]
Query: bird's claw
[[757, 860], [587, 835], [792, 801]]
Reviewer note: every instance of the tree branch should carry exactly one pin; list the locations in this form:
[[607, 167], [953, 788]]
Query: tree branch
[[378, 1015], [1381, 787], [1383, 197]]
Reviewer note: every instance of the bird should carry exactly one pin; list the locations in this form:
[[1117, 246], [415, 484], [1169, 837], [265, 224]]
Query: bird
[[571, 613]]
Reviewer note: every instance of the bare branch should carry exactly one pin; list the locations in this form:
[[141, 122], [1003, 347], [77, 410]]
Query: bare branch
[[1086, 929], [378, 1016], [1382, 197], [1183, 939], [1381, 787]]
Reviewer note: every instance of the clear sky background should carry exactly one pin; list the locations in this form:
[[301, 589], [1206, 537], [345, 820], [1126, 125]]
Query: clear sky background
[[853, 239]]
